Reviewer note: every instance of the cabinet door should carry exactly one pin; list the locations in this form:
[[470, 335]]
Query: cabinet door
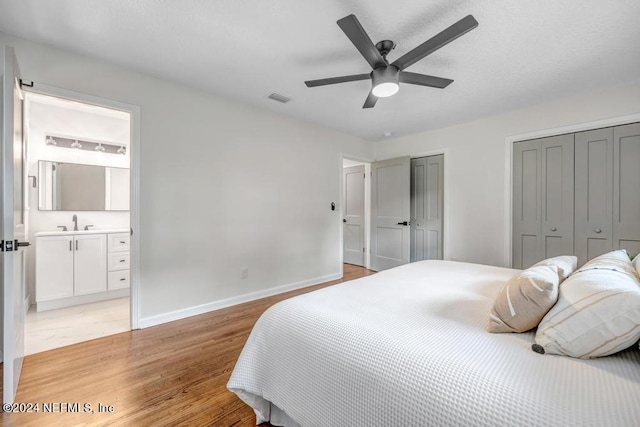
[[54, 267], [90, 264], [626, 188], [593, 193]]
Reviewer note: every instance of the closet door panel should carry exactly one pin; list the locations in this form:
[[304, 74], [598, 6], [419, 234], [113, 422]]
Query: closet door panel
[[526, 204], [557, 199], [435, 204], [593, 193], [626, 188], [427, 200]]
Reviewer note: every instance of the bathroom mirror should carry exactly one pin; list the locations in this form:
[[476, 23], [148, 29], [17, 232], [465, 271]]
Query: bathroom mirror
[[76, 187]]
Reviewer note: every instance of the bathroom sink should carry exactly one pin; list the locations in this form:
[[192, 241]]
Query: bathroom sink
[[91, 231]]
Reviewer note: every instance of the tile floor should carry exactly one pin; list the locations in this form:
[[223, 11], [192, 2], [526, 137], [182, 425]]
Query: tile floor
[[51, 329]]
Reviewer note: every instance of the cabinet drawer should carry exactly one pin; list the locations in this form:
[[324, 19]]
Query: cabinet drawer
[[118, 261], [119, 242], [118, 279]]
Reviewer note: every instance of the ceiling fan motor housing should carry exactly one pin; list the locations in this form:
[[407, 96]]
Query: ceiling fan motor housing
[[385, 77]]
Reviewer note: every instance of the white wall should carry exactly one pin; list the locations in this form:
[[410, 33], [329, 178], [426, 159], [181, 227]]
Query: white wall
[[45, 119], [223, 185], [476, 162]]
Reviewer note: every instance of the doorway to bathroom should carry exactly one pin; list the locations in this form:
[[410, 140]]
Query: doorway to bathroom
[[78, 220]]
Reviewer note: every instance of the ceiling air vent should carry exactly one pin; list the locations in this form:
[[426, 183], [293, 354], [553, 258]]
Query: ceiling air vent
[[279, 98]]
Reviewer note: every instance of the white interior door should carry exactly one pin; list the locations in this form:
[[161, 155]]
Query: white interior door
[[13, 231], [390, 210], [353, 219]]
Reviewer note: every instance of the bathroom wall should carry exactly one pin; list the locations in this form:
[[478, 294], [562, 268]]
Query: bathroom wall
[[48, 116]]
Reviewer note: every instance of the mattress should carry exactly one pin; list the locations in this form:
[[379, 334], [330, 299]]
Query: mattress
[[409, 347]]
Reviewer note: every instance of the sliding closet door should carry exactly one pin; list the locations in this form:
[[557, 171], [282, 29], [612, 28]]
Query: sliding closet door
[[542, 199], [427, 194], [626, 188], [593, 193]]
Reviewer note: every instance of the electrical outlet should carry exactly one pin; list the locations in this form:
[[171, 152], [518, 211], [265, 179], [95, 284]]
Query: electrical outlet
[[244, 273]]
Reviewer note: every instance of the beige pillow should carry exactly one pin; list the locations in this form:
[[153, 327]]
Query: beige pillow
[[525, 299], [597, 313], [566, 265]]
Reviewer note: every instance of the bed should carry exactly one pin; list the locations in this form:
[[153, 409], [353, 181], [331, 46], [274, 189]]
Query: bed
[[409, 347]]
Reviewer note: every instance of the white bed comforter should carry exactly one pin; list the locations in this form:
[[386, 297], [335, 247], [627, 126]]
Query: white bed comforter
[[408, 347]]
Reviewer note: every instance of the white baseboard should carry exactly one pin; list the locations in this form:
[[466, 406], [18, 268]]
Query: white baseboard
[[159, 319], [82, 299]]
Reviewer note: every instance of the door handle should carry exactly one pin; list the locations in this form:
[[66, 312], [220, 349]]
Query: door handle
[[404, 223], [19, 244], [554, 229], [597, 230], [344, 220]]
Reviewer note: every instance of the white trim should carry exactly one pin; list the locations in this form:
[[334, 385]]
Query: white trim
[[508, 178], [134, 146], [81, 299], [159, 319]]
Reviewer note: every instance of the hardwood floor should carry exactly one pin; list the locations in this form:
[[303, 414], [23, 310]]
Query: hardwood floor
[[167, 375]]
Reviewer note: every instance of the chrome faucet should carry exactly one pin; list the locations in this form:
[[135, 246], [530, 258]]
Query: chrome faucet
[[75, 222]]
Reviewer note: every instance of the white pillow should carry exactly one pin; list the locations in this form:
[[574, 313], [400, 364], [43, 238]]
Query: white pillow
[[566, 264], [525, 299], [597, 313], [636, 264], [617, 260]]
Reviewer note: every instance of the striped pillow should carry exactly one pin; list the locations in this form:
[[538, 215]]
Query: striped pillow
[[525, 299], [597, 313]]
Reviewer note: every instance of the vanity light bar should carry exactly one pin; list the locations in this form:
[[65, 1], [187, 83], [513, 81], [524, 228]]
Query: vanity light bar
[[79, 144]]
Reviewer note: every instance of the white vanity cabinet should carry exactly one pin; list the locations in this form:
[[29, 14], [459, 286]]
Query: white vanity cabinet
[[80, 267], [73, 265]]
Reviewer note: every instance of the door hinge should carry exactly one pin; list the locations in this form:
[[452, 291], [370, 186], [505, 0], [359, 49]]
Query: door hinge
[[362, 249]]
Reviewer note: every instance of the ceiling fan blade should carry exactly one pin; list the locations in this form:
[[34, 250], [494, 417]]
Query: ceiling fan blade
[[424, 80], [371, 101], [358, 36], [334, 80], [458, 29]]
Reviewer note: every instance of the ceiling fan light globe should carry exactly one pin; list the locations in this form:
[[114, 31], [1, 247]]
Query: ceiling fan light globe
[[386, 89]]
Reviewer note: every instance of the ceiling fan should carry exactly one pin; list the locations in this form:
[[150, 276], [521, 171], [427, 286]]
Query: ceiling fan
[[385, 77]]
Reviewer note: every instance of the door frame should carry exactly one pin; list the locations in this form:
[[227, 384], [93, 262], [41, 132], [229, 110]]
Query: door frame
[[508, 162], [367, 208], [134, 167]]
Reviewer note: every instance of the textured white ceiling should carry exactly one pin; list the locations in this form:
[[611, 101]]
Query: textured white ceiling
[[522, 53]]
